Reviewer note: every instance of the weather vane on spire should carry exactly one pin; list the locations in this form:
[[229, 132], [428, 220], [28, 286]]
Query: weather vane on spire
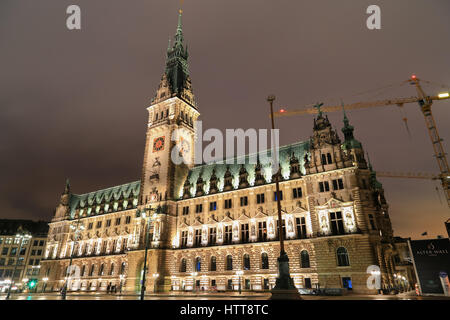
[[181, 5]]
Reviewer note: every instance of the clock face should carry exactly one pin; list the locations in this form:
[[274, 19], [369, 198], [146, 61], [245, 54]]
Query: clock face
[[158, 144], [185, 147]]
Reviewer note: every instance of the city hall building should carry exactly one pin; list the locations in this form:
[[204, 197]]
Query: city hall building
[[215, 226]]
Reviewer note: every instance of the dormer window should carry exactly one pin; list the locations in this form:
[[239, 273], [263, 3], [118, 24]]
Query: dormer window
[[326, 159]]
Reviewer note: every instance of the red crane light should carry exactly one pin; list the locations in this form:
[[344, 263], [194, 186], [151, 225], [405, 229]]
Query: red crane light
[[413, 76], [282, 110]]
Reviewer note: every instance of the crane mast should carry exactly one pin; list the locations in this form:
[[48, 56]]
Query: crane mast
[[425, 103]]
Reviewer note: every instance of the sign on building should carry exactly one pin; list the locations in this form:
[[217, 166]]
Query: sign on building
[[431, 260]]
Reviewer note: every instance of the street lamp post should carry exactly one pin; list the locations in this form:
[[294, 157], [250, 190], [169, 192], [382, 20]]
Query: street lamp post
[[155, 277], [284, 286], [77, 228], [22, 237], [146, 250], [240, 273]]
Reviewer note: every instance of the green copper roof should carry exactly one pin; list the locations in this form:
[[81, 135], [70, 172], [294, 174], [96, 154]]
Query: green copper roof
[[177, 68], [91, 202], [299, 149]]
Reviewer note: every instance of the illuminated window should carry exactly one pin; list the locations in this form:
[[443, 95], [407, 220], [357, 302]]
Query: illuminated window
[[212, 236], [297, 193], [337, 224], [198, 264], [342, 257], [229, 262], [213, 266], [111, 271], [101, 270], [275, 196], [262, 231], [213, 206], [244, 233], [184, 235], [228, 235], [304, 259], [228, 203], [91, 272], [338, 184], [246, 262], [198, 237], [324, 186], [260, 198], [264, 261], [183, 265], [301, 227], [326, 159]]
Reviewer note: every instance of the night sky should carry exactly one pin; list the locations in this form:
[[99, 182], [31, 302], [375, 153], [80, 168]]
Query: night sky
[[73, 103]]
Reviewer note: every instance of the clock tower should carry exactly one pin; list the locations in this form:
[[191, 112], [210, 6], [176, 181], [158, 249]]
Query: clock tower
[[169, 147]]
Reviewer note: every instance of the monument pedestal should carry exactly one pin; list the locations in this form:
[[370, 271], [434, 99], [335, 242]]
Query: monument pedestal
[[284, 287]]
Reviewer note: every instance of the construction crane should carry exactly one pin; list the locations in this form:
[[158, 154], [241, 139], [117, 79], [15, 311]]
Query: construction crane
[[425, 103], [411, 175], [408, 175]]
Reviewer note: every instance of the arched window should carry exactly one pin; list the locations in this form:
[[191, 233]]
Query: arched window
[[246, 262], [100, 271], [264, 261], [198, 264], [122, 268], [342, 257], [91, 272], [83, 270], [229, 262], [304, 259], [183, 265], [111, 272], [213, 267]]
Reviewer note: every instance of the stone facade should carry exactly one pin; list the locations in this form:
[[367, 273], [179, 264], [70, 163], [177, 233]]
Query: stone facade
[[209, 221]]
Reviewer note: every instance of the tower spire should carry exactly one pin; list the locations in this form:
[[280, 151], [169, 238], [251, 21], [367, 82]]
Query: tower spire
[[176, 77]]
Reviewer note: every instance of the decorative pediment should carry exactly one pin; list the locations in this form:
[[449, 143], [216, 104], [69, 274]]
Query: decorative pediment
[[331, 203], [243, 215], [260, 213], [184, 224], [197, 222], [227, 217], [212, 219], [298, 210]]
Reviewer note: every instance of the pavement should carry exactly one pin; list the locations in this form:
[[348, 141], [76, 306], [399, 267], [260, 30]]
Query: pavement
[[211, 296]]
